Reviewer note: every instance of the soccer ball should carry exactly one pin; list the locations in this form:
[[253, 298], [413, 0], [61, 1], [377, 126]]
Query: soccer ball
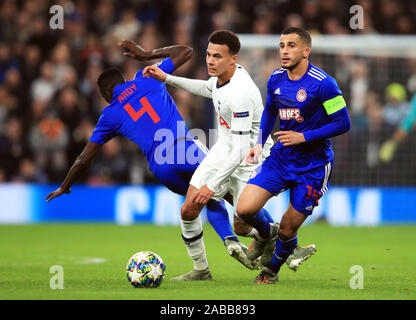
[[145, 269]]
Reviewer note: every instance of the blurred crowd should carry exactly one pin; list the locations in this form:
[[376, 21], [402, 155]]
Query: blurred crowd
[[49, 101]]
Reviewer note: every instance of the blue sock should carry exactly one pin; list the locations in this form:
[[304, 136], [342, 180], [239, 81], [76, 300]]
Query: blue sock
[[267, 215], [260, 222], [283, 250], [217, 216]]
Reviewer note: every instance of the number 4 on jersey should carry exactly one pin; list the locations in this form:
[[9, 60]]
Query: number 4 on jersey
[[147, 107]]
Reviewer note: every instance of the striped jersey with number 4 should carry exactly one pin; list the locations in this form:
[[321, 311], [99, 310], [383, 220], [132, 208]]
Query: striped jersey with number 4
[[304, 104]]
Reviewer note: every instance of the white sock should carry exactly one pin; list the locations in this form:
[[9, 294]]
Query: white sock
[[252, 234], [192, 230]]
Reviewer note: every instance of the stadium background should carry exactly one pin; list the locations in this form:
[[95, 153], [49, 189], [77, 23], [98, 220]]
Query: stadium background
[[49, 103]]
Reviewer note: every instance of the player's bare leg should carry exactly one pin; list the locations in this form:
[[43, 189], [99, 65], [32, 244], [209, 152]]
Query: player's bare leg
[[192, 235], [250, 203], [254, 197], [241, 228], [285, 244], [299, 255]]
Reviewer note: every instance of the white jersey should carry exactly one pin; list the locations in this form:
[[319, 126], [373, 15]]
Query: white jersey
[[238, 106]]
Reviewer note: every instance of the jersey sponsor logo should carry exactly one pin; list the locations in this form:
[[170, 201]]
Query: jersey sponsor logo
[[291, 113], [301, 95], [240, 114], [128, 91], [277, 91]]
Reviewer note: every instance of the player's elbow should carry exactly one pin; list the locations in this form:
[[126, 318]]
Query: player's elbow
[[342, 120], [188, 51], [183, 54], [187, 54], [347, 124]]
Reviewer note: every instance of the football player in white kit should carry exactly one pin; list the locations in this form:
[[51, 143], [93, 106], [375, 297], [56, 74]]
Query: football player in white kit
[[238, 105]]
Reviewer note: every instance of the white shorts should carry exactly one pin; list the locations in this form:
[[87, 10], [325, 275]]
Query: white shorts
[[234, 184]]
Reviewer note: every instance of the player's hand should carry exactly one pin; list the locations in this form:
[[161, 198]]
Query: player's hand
[[134, 50], [253, 155], [290, 138], [203, 195], [154, 72], [57, 193]]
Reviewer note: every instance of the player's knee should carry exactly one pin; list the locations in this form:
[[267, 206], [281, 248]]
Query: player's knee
[[244, 211], [188, 212]]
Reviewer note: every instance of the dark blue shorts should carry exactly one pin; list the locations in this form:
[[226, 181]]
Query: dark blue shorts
[[305, 188], [176, 174]]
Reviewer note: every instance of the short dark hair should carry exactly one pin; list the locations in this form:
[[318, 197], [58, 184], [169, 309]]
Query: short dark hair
[[302, 33], [108, 80], [229, 38]]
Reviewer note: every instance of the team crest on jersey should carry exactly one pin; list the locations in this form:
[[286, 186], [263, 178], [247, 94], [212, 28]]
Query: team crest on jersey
[[301, 95], [290, 113]]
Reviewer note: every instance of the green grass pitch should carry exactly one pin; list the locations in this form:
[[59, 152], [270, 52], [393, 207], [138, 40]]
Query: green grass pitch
[[93, 257]]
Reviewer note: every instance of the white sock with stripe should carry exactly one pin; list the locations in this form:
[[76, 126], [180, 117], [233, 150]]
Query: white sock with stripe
[[192, 236]]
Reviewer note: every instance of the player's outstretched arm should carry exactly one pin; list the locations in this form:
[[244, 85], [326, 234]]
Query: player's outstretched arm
[[155, 72], [194, 86], [80, 165], [178, 54]]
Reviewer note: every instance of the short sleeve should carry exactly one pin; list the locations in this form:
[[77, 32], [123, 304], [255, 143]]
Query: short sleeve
[[166, 65], [103, 131], [331, 96]]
